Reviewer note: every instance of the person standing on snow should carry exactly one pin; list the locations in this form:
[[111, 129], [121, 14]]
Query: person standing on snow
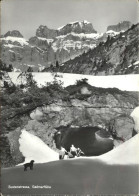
[[62, 153], [73, 150]]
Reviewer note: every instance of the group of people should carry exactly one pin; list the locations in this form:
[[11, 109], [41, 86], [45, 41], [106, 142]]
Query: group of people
[[74, 152]]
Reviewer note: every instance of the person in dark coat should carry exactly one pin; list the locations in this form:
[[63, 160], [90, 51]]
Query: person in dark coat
[[79, 152]]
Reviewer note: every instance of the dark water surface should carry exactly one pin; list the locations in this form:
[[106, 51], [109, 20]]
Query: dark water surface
[[80, 176], [84, 138]]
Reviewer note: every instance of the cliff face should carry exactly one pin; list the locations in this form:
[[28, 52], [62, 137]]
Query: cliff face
[[22, 55], [77, 106], [94, 111], [117, 55], [45, 32]]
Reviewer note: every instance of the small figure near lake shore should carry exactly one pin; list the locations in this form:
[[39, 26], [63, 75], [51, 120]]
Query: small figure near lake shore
[[79, 152], [74, 152], [62, 153]]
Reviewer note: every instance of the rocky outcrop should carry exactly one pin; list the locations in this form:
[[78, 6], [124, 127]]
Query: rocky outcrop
[[42, 130], [123, 126], [42, 43], [122, 26], [13, 140], [23, 57], [82, 113], [13, 33]]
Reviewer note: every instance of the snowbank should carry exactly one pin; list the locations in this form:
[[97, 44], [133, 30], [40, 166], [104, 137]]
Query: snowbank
[[33, 148], [126, 154], [122, 82]]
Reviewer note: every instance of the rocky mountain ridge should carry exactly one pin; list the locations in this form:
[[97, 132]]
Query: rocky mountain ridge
[[122, 26], [50, 47], [13, 33], [117, 55], [73, 27]]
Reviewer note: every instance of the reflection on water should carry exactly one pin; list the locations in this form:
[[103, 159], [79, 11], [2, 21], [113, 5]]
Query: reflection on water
[[91, 140]]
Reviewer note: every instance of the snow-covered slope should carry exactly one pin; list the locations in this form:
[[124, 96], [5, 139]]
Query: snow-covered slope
[[124, 82], [125, 154], [33, 148]]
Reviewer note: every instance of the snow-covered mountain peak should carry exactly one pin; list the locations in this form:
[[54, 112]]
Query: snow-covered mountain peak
[[75, 23], [76, 27], [82, 22], [86, 22]]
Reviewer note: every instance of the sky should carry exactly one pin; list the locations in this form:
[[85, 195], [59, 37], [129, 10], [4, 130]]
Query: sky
[[27, 15]]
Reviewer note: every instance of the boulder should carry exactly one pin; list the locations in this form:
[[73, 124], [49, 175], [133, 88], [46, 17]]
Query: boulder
[[123, 125], [42, 130]]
